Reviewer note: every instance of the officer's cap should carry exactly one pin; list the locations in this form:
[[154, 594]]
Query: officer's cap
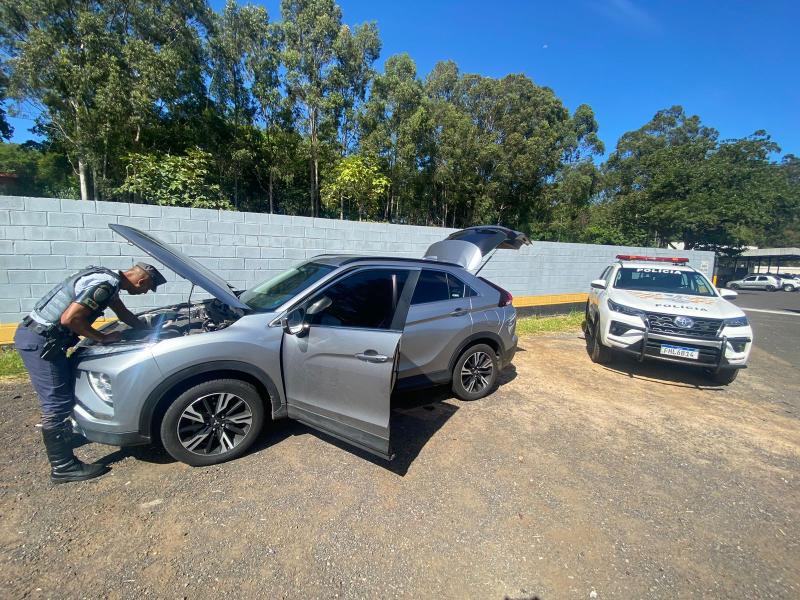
[[154, 274]]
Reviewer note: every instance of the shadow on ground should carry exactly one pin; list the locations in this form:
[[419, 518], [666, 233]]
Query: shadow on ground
[[416, 417]]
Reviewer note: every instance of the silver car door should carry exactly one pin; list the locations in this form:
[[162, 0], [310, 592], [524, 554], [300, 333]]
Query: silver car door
[[438, 323], [749, 282], [339, 374]]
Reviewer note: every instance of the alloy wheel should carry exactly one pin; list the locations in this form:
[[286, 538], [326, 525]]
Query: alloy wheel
[[476, 372], [214, 423]]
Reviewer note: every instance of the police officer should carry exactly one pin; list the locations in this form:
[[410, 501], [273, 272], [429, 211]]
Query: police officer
[[43, 337]]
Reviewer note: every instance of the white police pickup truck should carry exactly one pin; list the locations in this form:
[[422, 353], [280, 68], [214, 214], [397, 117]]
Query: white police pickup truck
[[661, 308]]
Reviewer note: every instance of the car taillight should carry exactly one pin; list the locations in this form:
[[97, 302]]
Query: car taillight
[[505, 296]]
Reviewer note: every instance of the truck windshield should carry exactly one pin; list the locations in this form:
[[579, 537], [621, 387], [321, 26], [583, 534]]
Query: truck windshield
[[270, 294], [658, 279]]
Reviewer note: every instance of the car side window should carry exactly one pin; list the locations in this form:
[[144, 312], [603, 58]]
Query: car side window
[[457, 288], [604, 275], [431, 287], [366, 299], [749, 278], [762, 279]]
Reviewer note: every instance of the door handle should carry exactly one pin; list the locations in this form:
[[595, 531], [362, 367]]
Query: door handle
[[458, 312], [372, 356]]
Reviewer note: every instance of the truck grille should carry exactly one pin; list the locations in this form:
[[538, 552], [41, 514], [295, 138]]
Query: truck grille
[[702, 328]]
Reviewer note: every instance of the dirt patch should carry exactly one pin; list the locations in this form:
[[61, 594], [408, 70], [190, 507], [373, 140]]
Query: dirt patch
[[630, 480]]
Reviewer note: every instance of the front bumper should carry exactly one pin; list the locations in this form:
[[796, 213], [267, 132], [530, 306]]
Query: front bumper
[[114, 422], [112, 438], [728, 351]]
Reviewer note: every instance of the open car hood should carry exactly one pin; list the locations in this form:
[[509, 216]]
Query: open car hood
[[469, 246], [186, 267]]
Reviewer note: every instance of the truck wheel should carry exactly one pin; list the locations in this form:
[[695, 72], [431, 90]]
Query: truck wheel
[[597, 352], [724, 377], [770, 288], [788, 287], [475, 372], [213, 422], [734, 286]]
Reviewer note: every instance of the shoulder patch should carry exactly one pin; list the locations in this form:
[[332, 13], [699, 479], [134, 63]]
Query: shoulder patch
[[90, 303], [102, 293]]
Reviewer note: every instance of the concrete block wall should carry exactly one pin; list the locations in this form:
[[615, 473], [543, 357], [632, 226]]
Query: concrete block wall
[[42, 240]]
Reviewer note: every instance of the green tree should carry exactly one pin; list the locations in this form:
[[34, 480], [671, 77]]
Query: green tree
[[5, 127], [393, 130], [673, 180], [173, 180], [310, 30], [358, 180], [100, 71], [356, 51], [39, 170]]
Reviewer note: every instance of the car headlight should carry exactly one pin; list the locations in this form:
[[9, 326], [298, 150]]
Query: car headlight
[[101, 384], [625, 310], [737, 322]]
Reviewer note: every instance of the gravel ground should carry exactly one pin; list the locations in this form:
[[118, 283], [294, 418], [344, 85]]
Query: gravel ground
[[571, 481]]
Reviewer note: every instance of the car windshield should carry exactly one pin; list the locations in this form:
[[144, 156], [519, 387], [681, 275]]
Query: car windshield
[[658, 279], [270, 294]]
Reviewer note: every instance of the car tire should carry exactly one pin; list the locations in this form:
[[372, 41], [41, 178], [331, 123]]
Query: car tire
[[770, 288], [599, 353], [472, 377], [734, 286], [213, 422], [788, 287], [724, 376]]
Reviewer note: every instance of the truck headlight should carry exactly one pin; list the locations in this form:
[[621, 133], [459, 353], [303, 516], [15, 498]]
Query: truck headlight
[[737, 322], [625, 310], [101, 384]]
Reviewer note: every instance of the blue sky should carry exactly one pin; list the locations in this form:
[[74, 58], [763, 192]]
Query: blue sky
[[734, 63]]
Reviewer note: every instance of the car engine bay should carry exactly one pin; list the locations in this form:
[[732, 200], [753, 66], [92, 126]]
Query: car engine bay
[[168, 322]]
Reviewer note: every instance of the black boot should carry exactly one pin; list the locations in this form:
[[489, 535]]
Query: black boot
[[64, 466]]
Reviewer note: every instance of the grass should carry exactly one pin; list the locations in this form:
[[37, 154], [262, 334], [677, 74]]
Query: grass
[[551, 324], [10, 363]]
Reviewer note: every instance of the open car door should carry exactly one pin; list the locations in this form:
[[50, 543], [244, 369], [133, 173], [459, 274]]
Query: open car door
[[468, 247], [340, 357]]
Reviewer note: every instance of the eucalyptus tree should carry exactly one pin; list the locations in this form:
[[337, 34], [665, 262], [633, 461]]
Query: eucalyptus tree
[[5, 127], [310, 31], [394, 130], [356, 51], [101, 72]]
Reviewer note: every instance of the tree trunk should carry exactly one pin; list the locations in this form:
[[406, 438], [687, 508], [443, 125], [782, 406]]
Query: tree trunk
[[311, 185], [83, 175], [95, 191], [316, 186], [271, 206], [341, 206]]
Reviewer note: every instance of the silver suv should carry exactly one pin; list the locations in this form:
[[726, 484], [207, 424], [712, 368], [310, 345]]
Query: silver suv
[[324, 343]]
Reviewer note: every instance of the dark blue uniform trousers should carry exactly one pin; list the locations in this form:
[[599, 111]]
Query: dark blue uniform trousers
[[52, 379]]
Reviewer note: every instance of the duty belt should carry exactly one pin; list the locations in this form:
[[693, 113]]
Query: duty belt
[[35, 326]]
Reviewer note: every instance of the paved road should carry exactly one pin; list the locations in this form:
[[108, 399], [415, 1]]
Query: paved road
[[775, 317]]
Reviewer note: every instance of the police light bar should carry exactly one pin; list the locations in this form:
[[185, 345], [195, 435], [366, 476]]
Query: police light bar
[[674, 260]]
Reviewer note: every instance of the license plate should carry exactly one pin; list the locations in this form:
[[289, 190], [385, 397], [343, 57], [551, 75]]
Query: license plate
[[680, 351]]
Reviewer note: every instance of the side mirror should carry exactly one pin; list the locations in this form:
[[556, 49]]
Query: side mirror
[[726, 293], [294, 323], [599, 284], [319, 306]]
